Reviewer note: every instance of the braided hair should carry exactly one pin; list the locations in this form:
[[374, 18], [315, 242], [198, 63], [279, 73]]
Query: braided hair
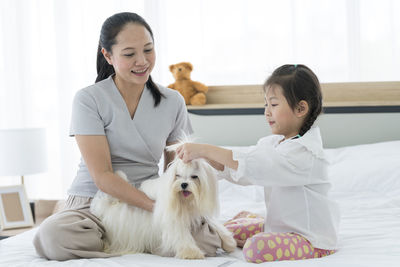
[[299, 83], [109, 31]]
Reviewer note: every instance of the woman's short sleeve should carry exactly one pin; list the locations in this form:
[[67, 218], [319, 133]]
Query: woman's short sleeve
[[182, 122], [85, 119]]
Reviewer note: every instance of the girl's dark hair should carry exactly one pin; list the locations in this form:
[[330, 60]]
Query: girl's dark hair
[[299, 83], [109, 31]]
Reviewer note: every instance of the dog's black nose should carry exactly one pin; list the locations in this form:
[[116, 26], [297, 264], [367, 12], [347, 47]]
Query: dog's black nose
[[184, 185]]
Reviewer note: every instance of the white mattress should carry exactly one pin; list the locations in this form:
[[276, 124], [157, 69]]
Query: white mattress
[[366, 183]]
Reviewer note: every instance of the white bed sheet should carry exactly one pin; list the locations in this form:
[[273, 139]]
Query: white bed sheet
[[366, 184]]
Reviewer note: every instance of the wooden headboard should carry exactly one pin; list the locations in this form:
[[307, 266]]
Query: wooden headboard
[[356, 97], [353, 113]]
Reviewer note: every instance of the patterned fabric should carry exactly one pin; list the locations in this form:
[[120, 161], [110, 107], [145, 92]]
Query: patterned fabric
[[264, 247], [261, 247]]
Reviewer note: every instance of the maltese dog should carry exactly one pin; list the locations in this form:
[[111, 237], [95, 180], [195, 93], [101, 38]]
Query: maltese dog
[[185, 195]]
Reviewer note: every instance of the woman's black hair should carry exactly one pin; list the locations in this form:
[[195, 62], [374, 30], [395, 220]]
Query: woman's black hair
[[299, 83], [109, 31]]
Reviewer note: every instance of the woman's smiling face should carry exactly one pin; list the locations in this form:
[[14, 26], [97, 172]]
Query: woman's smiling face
[[132, 56]]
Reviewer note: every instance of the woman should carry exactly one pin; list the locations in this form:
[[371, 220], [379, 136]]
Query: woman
[[122, 122]]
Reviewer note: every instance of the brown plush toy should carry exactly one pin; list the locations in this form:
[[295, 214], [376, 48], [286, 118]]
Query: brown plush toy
[[193, 92]]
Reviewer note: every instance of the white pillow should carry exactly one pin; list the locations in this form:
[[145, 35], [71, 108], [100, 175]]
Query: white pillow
[[370, 167]]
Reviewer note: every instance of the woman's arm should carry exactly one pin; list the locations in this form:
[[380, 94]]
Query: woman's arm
[[96, 154], [218, 157]]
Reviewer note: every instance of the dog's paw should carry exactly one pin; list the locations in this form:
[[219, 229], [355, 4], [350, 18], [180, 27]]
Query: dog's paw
[[190, 253], [228, 243]]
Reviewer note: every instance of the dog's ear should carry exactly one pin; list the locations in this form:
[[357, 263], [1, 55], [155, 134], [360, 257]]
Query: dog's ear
[[163, 199], [171, 170], [210, 193]]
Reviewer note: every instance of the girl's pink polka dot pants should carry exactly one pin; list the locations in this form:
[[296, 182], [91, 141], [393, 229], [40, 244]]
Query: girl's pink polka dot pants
[[262, 247]]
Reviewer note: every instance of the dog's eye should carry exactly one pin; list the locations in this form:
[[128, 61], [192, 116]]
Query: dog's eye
[[177, 175], [194, 176]]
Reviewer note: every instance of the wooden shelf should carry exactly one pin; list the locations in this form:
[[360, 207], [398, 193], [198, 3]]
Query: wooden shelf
[[357, 97]]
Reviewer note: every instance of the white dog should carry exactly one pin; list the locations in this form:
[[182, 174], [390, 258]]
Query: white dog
[[186, 195]]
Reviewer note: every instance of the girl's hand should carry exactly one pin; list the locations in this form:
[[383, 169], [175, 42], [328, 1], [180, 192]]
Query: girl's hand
[[242, 214], [188, 152], [240, 243]]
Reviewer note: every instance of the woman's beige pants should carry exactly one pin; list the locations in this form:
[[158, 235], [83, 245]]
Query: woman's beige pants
[[76, 233]]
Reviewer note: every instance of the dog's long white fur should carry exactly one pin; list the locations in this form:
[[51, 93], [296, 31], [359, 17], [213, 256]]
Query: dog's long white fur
[[168, 229]]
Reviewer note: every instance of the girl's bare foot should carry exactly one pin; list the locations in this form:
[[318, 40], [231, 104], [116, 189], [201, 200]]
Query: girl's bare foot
[[241, 214]]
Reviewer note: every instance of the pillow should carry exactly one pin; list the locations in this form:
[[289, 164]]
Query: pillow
[[370, 167]]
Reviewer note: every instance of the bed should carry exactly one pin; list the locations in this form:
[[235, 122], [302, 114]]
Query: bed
[[365, 182]]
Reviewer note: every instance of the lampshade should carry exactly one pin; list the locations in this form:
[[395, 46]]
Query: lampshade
[[22, 151]]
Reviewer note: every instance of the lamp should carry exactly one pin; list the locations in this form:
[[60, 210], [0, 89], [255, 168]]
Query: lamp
[[22, 152]]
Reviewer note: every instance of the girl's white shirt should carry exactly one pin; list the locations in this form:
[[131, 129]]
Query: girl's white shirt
[[294, 176]]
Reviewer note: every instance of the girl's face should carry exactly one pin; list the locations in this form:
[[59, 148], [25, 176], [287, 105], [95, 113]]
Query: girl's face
[[133, 56], [281, 117]]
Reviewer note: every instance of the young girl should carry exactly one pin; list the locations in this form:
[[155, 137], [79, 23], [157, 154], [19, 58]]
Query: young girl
[[301, 220]]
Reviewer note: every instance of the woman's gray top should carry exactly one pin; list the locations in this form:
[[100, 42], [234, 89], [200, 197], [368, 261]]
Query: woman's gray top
[[136, 145]]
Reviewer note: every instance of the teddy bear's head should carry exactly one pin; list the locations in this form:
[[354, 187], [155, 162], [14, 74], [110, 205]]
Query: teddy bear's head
[[193, 92], [181, 71]]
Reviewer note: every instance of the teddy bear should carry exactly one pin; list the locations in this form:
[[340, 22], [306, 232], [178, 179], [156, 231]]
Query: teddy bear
[[193, 92]]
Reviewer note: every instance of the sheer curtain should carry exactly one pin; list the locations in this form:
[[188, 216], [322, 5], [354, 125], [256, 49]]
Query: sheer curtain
[[241, 42], [48, 51]]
